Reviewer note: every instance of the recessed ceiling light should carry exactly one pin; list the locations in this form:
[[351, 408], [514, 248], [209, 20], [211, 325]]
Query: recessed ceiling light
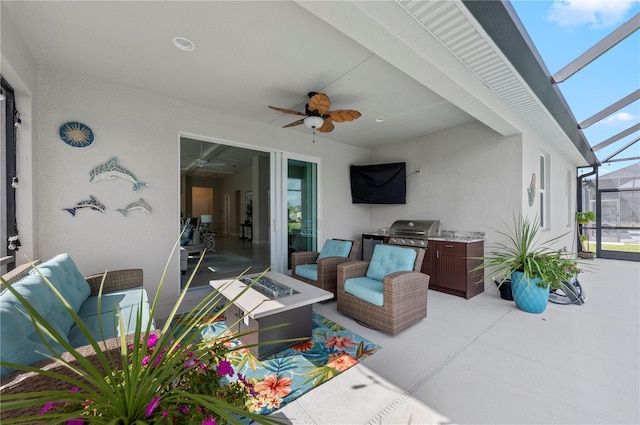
[[183, 43], [380, 119]]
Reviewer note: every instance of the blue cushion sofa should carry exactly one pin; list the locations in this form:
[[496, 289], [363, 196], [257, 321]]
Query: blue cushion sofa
[[123, 294]]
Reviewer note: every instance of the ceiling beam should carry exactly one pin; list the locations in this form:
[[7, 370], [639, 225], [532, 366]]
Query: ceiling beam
[[610, 109], [598, 49], [620, 150], [617, 137]]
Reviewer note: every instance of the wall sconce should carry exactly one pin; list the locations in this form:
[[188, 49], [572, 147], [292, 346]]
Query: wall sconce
[[17, 121], [14, 182]]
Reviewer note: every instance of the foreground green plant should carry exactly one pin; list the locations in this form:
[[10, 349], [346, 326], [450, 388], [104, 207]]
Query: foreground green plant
[[166, 376]]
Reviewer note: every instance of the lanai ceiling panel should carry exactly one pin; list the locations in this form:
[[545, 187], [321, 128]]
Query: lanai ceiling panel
[[452, 25]]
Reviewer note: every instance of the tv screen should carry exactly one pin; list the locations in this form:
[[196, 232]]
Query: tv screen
[[379, 183]]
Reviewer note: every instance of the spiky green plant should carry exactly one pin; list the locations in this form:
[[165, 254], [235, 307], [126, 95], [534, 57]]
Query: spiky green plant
[[128, 388], [524, 252]]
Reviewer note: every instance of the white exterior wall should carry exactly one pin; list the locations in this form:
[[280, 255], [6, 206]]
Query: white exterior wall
[[558, 192], [473, 179], [142, 130], [469, 179]]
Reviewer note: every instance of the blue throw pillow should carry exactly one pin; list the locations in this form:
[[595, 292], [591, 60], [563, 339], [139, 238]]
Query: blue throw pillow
[[186, 235], [335, 248], [387, 259]]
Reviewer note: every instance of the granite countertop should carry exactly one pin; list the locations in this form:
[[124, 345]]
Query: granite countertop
[[445, 235], [458, 236]]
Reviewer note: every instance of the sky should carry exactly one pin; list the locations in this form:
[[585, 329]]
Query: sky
[[564, 29]]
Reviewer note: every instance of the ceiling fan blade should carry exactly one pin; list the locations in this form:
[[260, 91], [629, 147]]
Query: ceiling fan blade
[[327, 126], [286, 111], [319, 103], [342, 115], [293, 124]]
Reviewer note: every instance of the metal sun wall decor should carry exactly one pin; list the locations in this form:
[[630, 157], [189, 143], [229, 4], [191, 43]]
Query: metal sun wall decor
[[92, 204], [139, 205], [531, 191], [76, 135], [111, 170]]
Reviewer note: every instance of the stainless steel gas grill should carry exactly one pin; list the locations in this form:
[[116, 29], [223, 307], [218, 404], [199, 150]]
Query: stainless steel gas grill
[[413, 232]]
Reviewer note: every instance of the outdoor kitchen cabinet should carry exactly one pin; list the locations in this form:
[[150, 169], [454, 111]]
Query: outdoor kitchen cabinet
[[449, 265]]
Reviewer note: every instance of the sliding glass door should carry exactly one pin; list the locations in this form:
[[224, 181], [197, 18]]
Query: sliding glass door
[[297, 207], [302, 207]]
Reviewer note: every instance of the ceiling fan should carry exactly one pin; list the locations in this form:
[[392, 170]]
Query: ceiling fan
[[202, 162], [317, 115]]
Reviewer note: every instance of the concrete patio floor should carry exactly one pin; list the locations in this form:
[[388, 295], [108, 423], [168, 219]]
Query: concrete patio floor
[[482, 361]]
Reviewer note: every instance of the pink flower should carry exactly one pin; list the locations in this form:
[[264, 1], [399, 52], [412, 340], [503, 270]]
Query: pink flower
[[224, 368], [48, 406], [145, 360], [153, 338], [157, 361], [209, 421], [75, 422], [152, 406]]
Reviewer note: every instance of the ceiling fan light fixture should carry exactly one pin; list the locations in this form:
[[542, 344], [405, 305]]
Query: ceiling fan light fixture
[[314, 122]]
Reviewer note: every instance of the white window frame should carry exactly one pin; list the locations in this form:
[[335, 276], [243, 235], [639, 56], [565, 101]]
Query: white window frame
[[544, 192], [569, 197]]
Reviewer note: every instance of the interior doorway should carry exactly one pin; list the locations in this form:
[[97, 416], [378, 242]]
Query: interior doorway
[[202, 201]]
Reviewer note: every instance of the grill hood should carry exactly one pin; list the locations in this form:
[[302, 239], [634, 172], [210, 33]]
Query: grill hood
[[416, 229]]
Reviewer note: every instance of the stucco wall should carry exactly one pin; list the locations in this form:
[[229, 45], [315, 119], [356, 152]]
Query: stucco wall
[[469, 178], [473, 179], [142, 130], [561, 194]]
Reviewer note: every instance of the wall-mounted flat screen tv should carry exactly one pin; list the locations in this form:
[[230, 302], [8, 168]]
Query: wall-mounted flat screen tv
[[379, 183]]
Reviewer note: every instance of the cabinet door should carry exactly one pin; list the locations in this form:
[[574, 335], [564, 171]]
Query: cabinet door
[[451, 265], [429, 264]]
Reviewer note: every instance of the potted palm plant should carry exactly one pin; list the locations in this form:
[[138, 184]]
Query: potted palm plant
[[583, 218], [533, 266]]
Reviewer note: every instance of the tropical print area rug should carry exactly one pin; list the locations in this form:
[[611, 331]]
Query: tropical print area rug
[[288, 374]]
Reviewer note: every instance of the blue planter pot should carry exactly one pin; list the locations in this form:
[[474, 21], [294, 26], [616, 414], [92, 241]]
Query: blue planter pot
[[527, 295]]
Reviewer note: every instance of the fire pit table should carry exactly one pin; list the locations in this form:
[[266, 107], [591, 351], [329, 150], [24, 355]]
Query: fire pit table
[[272, 300]]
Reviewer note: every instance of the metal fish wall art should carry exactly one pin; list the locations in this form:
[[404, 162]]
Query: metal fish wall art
[[140, 205], [92, 204], [111, 170]]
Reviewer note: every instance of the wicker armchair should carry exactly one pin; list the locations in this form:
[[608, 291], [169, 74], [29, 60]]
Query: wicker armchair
[[326, 267], [404, 297], [22, 382]]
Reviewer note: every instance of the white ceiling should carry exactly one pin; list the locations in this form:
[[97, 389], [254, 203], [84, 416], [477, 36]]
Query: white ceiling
[[252, 54]]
